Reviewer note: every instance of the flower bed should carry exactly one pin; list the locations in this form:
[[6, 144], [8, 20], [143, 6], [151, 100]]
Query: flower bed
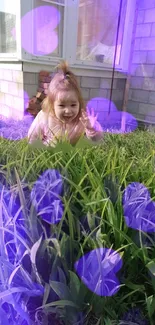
[[62, 220]]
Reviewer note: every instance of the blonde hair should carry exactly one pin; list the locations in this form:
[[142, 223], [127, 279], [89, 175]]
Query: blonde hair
[[63, 80]]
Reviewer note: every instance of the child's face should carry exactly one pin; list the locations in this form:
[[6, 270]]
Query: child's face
[[66, 106]]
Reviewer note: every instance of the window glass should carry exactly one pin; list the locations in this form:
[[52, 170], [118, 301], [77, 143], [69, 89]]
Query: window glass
[[48, 36], [97, 30], [8, 16]]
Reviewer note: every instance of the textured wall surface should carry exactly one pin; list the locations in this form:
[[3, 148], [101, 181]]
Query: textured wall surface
[[14, 84], [142, 89]]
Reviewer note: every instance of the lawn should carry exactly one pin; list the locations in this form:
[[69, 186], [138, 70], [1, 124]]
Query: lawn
[[77, 232]]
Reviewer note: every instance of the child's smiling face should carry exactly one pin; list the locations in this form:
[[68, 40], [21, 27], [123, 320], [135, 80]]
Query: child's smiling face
[[66, 106]]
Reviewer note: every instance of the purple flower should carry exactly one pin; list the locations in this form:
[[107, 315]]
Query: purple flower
[[98, 268], [46, 194], [139, 209]]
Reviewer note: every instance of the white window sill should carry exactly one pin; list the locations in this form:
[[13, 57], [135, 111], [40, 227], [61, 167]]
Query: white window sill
[[79, 70]]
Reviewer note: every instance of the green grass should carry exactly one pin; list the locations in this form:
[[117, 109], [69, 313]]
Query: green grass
[[113, 164]]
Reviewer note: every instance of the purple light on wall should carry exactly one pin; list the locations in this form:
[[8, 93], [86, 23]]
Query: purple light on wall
[[139, 209], [98, 268], [111, 123], [38, 30], [23, 94]]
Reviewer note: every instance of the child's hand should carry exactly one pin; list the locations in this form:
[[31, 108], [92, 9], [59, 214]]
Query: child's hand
[[90, 121]]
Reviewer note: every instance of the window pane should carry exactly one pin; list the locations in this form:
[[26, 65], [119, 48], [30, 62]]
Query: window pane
[[7, 26], [97, 28], [48, 38]]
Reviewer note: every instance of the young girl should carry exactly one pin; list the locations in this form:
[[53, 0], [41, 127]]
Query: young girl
[[63, 112]]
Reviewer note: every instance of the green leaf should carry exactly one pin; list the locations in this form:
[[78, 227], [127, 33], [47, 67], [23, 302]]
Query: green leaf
[[46, 293], [151, 267], [65, 147], [62, 275], [84, 143], [133, 286], [61, 290], [91, 221], [38, 144], [59, 303], [56, 245], [74, 284], [150, 305]]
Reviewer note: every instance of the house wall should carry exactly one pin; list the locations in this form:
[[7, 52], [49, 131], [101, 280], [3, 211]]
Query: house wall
[[16, 79], [15, 89], [142, 89]]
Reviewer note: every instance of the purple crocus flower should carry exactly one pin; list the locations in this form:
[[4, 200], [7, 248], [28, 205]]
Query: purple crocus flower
[[98, 268], [139, 209], [46, 196]]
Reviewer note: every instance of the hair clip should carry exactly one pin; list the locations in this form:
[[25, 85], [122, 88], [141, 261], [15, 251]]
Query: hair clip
[[66, 75]]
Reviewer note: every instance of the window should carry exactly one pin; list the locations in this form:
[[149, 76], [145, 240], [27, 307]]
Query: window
[[97, 30], [84, 32], [8, 43], [91, 30], [48, 36]]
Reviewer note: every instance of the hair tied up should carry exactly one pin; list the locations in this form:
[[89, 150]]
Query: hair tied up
[[63, 67]]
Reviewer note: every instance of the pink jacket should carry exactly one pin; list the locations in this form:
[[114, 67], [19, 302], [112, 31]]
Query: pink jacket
[[49, 129]]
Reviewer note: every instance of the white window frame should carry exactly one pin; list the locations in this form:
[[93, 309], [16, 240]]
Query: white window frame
[[69, 44], [16, 55]]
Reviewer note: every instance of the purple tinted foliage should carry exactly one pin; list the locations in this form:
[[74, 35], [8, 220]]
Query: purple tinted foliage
[[78, 318], [8, 312], [139, 210], [4, 317], [15, 225], [135, 315], [147, 240], [11, 204], [98, 268], [2, 124], [15, 130], [12, 219], [26, 263], [86, 228], [14, 246], [46, 194], [14, 312], [40, 22], [112, 122]]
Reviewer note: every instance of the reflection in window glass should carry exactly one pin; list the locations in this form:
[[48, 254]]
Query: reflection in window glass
[[43, 37], [97, 28], [7, 26]]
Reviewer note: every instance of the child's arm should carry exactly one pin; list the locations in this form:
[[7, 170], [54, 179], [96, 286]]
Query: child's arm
[[94, 135], [94, 132], [35, 131]]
